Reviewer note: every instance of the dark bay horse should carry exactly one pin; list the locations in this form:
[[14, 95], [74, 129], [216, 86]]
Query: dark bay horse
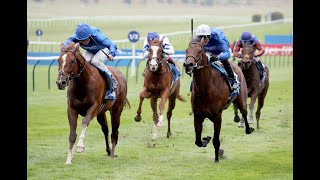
[[159, 82], [210, 94], [257, 87], [85, 94]]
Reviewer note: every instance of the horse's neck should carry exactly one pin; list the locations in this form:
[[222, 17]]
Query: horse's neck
[[84, 71], [202, 78]]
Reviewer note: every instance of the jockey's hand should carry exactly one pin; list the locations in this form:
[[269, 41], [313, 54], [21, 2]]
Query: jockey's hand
[[110, 57], [214, 58]]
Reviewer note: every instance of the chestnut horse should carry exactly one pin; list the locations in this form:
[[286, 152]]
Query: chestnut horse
[[210, 95], [257, 87], [85, 95], [159, 82]]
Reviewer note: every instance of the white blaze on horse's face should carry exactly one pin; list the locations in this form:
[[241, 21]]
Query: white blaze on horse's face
[[153, 64], [64, 57]]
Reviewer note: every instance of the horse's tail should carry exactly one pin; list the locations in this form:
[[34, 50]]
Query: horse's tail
[[181, 98], [127, 103]]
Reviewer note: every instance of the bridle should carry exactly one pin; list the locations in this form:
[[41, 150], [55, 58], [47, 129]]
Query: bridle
[[74, 61], [197, 61]]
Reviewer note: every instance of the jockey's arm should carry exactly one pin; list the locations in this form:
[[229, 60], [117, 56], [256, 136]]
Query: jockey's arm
[[236, 49], [145, 48], [260, 49], [167, 46]]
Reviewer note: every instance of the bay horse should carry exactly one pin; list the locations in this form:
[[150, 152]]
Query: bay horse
[[257, 86], [159, 82], [210, 95], [85, 95]]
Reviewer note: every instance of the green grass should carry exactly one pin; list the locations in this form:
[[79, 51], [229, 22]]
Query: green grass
[[265, 154]]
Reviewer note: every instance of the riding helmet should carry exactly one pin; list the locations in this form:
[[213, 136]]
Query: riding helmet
[[246, 36], [83, 31], [203, 30], [152, 35]]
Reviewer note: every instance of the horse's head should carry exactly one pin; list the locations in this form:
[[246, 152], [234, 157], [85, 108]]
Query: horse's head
[[195, 57], [155, 58], [247, 53], [68, 68]]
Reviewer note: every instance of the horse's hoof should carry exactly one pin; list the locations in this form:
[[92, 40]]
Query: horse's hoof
[[137, 118], [80, 149], [236, 119], [68, 162], [160, 124], [250, 130]]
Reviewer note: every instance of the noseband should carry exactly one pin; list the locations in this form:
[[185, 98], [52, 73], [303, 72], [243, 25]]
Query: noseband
[[70, 77]]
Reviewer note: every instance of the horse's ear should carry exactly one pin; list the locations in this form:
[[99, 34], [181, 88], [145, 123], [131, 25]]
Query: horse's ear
[[202, 41], [61, 46], [76, 46]]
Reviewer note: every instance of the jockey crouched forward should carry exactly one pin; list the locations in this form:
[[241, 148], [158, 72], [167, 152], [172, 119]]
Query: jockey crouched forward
[[247, 37], [97, 47], [217, 47], [166, 45]]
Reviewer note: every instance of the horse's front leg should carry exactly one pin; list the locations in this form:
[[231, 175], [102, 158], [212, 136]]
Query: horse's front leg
[[197, 123], [72, 117], [216, 135], [144, 94], [155, 116], [91, 113], [164, 96]]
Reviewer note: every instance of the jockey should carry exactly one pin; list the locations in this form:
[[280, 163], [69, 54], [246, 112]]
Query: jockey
[[217, 47], [167, 47], [97, 46], [247, 37]]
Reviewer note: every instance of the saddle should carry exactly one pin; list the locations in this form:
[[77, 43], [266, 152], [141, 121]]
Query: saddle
[[219, 66], [175, 73]]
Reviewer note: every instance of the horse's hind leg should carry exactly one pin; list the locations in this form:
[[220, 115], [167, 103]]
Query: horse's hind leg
[[72, 117], [235, 110], [102, 119], [248, 129]]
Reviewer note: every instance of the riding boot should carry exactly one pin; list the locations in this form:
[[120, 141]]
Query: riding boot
[[261, 69], [171, 61], [114, 84], [227, 67]]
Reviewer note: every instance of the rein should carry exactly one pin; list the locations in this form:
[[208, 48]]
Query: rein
[[197, 61], [73, 63]]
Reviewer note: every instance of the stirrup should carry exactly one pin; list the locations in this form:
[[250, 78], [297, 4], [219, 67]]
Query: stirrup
[[111, 96]]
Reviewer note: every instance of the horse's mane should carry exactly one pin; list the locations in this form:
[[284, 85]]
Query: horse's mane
[[195, 39], [68, 47]]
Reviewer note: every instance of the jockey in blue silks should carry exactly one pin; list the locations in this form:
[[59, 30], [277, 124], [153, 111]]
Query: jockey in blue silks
[[217, 47], [97, 46]]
